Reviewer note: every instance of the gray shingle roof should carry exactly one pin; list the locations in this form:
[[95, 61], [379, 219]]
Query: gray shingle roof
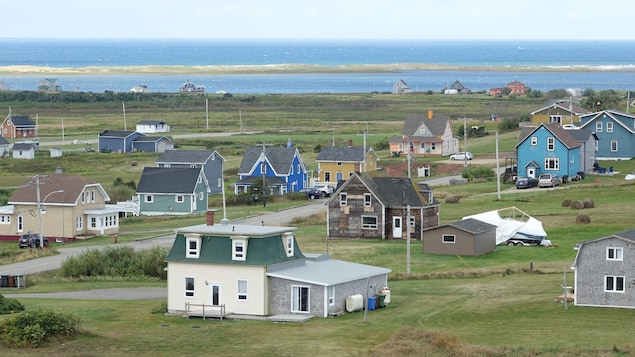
[[187, 156], [472, 225], [22, 121], [342, 153], [436, 125], [118, 133], [280, 158], [168, 180], [393, 191]]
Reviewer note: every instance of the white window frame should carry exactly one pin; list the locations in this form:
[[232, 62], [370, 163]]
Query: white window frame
[[239, 249], [5, 219], [192, 247], [296, 304], [368, 200], [551, 143], [448, 239], [149, 198], [614, 253], [614, 284], [609, 127], [79, 222], [533, 141], [598, 127], [289, 244], [331, 295], [179, 198], [219, 182], [614, 146], [552, 163], [343, 199], [555, 119], [241, 290], [369, 225], [190, 290], [92, 195], [339, 163]]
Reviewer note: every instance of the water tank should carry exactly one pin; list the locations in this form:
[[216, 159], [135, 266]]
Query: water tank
[[354, 303], [386, 292]]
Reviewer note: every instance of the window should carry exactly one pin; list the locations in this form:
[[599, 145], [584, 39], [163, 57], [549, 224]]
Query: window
[[614, 284], [20, 223], [242, 289], [555, 119], [552, 163], [299, 299], [331, 295], [609, 127], [92, 195], [614, 253], [5, 219], [412, 222], [200, 196], [93, 222], [448, 238], [288, 244], [434, 146], [83, 197], [149, 198], [327, 176], [614, 145], [219, 182], [192, 245], [263, 168], [298, 169], [189, 287], [367, 200], [343, 199], [339, 163], [598, 127], [369, 222], [239, 249], [179, 198], [551, 144], [534, 141]]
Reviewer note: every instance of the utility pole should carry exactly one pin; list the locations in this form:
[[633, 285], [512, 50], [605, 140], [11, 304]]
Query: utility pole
[[464, 141]]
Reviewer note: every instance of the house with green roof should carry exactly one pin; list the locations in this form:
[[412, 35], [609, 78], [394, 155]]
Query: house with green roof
[[240, 271]]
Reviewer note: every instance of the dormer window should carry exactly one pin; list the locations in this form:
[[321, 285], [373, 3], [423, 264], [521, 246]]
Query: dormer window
[[239, 248], [288, 239], [192, 246]]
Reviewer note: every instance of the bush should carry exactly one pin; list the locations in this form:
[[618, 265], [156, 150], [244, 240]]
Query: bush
[[472, 172], [121, 261], [32, 328], [10, 306]]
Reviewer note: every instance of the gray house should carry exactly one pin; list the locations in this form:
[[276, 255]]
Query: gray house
[[210, 161], [152, 144], [23, 151], [238, 271], [164, 191], [605, 271], [466, 237], [117, 141], [4, 147], [588, 142]]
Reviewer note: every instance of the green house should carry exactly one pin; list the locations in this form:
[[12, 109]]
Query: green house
[[164, 191]]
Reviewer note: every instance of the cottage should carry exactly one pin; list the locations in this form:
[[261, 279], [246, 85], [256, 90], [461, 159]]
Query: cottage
[[152, 144], [238, 271], [165, 191], [189, 87], [372, 206], [72, 207], [466, 237], [49, 85], [430, 135], [401, 87], [117, 141], [605, 271], [210, 161], [152, 126], [338, 163], [517, 88], [561, 112], [24, 151], [18, 127], [615, 131], [282, 169]]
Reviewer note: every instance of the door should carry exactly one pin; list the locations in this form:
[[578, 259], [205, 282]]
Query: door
[[215, 296], [531, 172], [397, 227], [339, 176]]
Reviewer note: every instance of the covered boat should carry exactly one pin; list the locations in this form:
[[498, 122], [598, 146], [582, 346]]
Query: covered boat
[[514, 225]]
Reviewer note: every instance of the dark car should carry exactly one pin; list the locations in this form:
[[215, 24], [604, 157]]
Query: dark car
[[526, 182], [31, 240], [312, 192]]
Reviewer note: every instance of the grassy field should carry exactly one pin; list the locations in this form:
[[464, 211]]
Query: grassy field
[[501, 303]]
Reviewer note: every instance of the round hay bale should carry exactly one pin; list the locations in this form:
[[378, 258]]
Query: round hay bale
[[566, 202], [583, 218], [575, 204], [588, 203], [452, 199]]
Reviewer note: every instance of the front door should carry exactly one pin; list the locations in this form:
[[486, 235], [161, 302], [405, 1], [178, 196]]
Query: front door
[[397, 227], [531, 172], [339, 176], [215, 294]]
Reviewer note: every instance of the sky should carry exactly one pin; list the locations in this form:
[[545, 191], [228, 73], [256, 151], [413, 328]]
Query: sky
[[323, 19]]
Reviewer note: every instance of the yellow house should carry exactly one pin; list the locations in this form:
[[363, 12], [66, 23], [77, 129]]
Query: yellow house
[[337, 163], [561, 112]]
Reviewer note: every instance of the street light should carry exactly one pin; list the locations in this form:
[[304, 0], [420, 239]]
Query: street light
[[39, 207]]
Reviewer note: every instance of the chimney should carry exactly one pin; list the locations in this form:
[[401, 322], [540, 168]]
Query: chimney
[[430, 114], [210, 218], [350, 143]]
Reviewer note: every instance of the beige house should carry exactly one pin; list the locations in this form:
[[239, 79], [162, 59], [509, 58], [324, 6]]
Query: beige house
[[71, 207], [430, 135], [467, 237]]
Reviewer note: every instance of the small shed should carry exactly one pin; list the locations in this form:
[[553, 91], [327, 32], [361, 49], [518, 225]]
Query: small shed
[[466, 237], [23, 151]]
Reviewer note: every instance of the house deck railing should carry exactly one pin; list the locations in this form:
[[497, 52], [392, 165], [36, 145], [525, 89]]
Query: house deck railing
[[204, 310]]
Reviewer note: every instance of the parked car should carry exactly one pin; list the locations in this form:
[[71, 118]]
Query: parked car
[[311, 192], [31, 240], [526, 182], [325, 188], [462, 156], [548, 180]]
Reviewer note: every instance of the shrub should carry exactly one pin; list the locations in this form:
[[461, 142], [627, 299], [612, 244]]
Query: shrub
[[472, 172], [32, 328], [10, 306], [117, 261]]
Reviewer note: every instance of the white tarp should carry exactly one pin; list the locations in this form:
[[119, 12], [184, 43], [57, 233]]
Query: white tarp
[[512, 223]]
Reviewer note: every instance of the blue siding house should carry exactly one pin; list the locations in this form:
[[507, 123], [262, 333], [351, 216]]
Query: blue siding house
[[282, 168], [615, 131], [117, 140], [163, 191], [548, 149], [210, 161], [152, 144]]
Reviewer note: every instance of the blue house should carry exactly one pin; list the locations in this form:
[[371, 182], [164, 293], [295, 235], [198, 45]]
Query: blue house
[[117, 140], [615, 131], [152, 144], [282, 168], [163, 191], [548, 149], [210, 161]]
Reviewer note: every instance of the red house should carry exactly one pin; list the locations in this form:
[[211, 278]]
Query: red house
[[516, 87]]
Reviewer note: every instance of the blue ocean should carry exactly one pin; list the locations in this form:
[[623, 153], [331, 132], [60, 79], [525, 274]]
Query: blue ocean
[[319, 66]]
